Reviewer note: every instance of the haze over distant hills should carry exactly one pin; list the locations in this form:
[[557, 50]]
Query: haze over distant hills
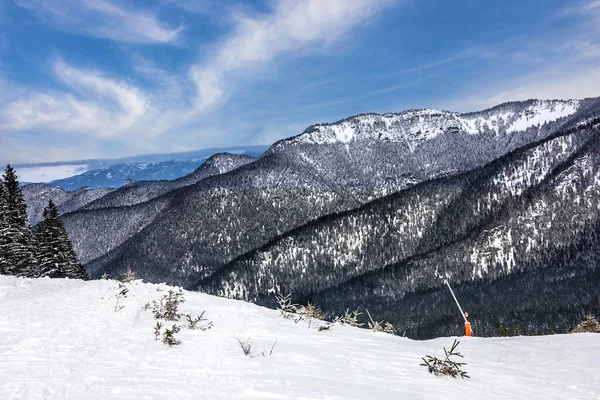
[[112, 173]]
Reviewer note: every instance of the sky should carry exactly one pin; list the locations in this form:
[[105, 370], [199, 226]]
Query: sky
[[105, 78]]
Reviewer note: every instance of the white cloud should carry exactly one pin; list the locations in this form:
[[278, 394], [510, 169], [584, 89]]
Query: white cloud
[[102, 18], [90, 104], [293, 25]]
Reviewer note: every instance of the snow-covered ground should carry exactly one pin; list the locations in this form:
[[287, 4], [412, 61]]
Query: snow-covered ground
[[63, 339]]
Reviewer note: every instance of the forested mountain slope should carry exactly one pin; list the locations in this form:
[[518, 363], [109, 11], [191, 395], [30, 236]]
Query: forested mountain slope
[[136, 192], [37, 196], [329, 168], [102, 225], [521, 221]]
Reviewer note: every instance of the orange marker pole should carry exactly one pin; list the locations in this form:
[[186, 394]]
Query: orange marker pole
[[468, 330]]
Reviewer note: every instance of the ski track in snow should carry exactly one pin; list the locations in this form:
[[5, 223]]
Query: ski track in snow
[[62, 339]]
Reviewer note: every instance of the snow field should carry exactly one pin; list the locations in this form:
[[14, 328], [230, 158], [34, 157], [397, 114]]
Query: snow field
[[62, 339]]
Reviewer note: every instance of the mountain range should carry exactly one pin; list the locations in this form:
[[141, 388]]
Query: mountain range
[[113, 173], [378, 211]]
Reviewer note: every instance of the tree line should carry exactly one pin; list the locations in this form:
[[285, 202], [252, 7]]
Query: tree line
[[41, 251]]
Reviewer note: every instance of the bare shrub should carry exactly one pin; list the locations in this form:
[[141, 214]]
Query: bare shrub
[[446, 366], [248, 349], [247, 346]]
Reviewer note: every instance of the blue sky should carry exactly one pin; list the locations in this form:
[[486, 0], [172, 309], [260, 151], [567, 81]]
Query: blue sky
[[106, 78]]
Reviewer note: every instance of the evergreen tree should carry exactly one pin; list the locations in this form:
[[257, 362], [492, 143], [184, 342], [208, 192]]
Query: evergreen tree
[[16, 251], [54, 252], [4, 240]]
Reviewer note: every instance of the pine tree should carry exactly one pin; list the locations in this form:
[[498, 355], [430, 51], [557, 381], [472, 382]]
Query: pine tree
[[17, 253], [55, 256], [4, 240]]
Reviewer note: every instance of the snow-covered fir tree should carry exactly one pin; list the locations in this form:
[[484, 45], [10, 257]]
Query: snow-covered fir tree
[[4, 241], [54, 254], [16, 249]]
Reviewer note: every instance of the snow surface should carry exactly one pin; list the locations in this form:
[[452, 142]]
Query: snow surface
[[544, 111], [63, 339], [426, 124]]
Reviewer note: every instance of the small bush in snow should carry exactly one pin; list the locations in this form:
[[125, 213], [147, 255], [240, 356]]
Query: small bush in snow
[[286, 306], [169, 336], [311, 311], [197, 323], [349, 318], [167, 307], [128, 276], [590, 324], [122, 294], [157, 329], [247, 346], [375, 326], [446, 366]]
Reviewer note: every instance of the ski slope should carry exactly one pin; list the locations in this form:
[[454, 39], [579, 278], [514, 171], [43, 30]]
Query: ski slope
[[63, 339]]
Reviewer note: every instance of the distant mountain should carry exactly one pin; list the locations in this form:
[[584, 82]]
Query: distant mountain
[[138, 192], [37, 196], [116, 175], [97, 173], [202, 227], [376, 211], [112, 219], [518, 237]]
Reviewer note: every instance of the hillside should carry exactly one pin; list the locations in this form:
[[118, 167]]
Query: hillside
[[318, 173], [37, 196], [64, 340], [527, 215]]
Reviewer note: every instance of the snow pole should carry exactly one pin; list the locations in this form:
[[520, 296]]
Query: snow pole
[[468, 330]]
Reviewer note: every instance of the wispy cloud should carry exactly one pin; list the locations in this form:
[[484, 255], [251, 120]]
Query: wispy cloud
[[91, 103], [104, 19], [291, 26]]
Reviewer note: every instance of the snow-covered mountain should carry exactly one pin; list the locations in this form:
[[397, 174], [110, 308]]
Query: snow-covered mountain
[[311, 216], [104, 173], [104, 348], [520, 218], [117, 175], [298, 180], [414, 126], [133, 192], [112, 219], [37, 196]]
